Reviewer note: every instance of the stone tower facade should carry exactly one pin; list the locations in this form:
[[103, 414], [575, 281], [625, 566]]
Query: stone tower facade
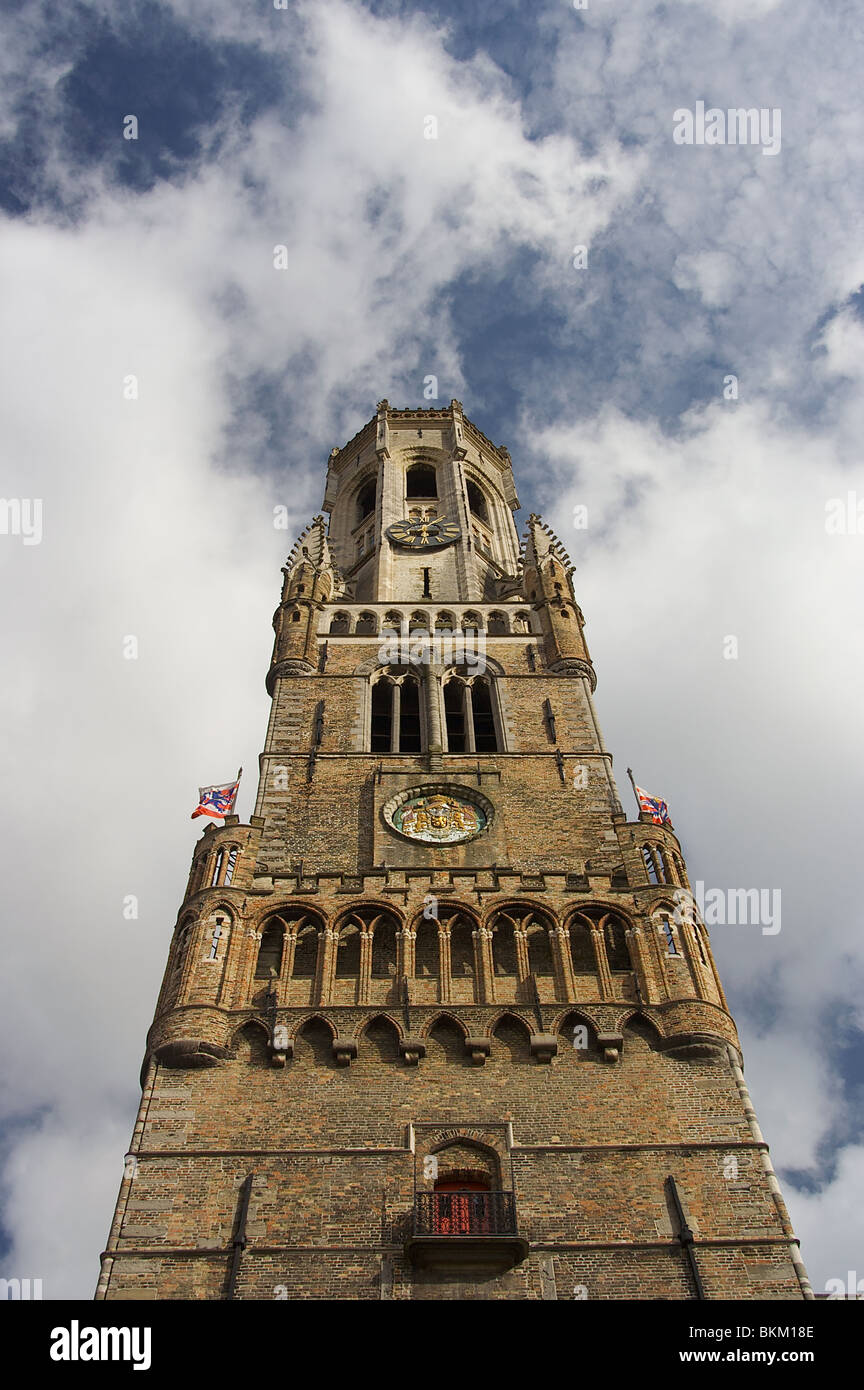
[[440, 1021]]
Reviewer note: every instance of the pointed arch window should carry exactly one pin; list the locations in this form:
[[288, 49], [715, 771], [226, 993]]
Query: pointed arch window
[[504, 958], [340, 625], [270, 950], [396, 724], [539, 947], [305, 950], [615, 938], [426, 956], [367, 625], [384, 928], [469, 715], [497, 625], [461, 946], [348, 950]]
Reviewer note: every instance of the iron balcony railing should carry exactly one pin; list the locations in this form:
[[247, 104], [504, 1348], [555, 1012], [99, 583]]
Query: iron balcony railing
[[464, 1214]]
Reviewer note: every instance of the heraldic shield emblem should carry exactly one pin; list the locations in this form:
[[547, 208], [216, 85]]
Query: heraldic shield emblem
[[440, 815]]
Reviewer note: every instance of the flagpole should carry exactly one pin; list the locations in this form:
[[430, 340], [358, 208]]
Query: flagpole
[[635, 793]]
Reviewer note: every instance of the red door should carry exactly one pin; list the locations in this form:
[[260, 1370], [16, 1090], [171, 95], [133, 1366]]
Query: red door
[[460, 1209]]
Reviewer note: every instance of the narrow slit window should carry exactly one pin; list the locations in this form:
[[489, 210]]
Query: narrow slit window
[[454, 711], [229, 871], [484, 722], [409, 718], [382, 716]]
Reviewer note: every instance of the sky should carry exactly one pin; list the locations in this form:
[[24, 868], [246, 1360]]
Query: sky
[[667, 335]]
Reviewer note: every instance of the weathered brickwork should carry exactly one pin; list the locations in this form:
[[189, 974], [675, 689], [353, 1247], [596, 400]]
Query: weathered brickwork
[[499, 1065]]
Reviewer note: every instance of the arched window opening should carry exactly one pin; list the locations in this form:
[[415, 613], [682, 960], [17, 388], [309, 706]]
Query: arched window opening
[[295, 616], [454, 714], [477, 503], [472, 622], [445, 622], [348, 951], [582, 947], [539, 949], [650, 865], [182, 943], [367, 625], [382, 716], [461, 948], [420, 481], [504, 958], [305, 953], [615, 937], [217, 868], [366, 500], [699, 943], [485, 740], [270, 951], [497, 625], [521, 623], [410, 740], [229, 868], [340, 625], [384, 947], [418, 621], [664, 926], [426, 949]]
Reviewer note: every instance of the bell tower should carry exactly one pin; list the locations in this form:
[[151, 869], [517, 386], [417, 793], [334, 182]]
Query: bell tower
[[441, 1021]]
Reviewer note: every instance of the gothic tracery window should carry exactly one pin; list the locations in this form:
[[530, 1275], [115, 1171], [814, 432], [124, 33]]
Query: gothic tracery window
[[396, 721], [468, 714]]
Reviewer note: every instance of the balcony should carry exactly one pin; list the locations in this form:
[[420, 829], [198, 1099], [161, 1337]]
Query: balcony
[[465, 1231]]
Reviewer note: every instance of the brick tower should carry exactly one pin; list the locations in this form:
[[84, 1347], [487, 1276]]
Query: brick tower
[[439, 1022]]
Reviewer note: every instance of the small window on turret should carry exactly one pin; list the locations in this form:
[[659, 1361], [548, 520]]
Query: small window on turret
[[366, 500], [420, 481], [477, 503], [229, 871]]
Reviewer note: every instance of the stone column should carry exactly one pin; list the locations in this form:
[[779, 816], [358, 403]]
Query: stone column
[[325, 966], [603, 971], [365, 966], [483, 965], [563, 963], [444, 966]]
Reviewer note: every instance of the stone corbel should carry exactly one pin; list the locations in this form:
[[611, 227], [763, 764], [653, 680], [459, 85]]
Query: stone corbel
[[412, 1049], [611, 1043], [344, 1050], [479, 1049], [544, 1046]]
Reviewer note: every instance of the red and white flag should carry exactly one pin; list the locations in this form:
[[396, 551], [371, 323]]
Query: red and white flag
[[217, 801]]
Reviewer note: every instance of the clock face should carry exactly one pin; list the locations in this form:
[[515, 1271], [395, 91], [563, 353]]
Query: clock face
[[424, 535]]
